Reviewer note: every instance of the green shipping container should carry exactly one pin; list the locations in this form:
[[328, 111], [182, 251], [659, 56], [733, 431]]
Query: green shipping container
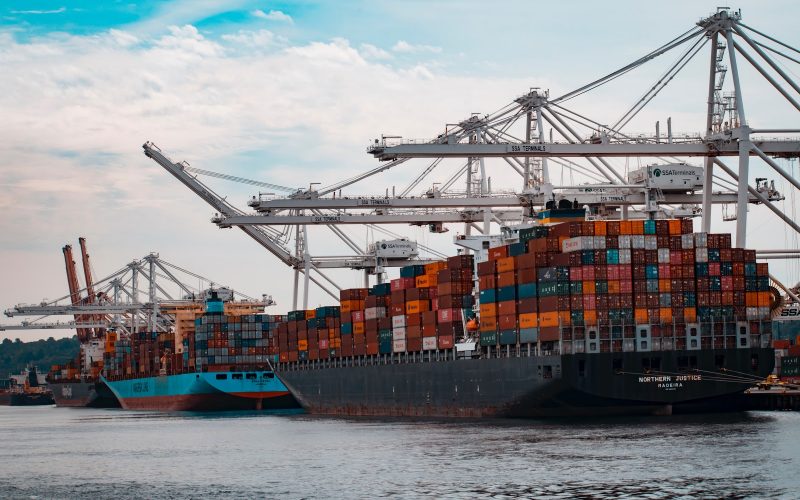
[[508, 337], [526, 291], [790, 366], [488, 339], [528, 335]]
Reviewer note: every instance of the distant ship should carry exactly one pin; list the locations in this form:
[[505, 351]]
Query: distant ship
[[25, 389]]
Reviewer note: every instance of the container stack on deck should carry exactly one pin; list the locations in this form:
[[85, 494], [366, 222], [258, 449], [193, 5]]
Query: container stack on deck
[[608, 277], [427, 303]]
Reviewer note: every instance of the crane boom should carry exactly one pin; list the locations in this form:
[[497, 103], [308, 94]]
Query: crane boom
[[74, 288], [87, 270], [178, 170]]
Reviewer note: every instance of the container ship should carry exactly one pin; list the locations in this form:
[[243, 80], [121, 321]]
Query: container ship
[[577, 318], [25, 389], [77, 383], [221, 364]]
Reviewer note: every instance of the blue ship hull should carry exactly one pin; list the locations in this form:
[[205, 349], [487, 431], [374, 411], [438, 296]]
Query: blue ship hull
[[208, 391]]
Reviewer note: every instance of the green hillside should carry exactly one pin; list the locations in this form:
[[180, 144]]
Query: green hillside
[[15, 355]]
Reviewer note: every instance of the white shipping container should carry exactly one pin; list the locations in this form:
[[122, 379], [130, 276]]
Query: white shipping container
[[399, 321], [624, 256], [374, 312], [399, 334], [428, 343], [637, 241], [399, 345], [651, 242], [624, 241], [577, 244], [701, 255], [687, 241], [700, 240], [663, 255], [599, 242]]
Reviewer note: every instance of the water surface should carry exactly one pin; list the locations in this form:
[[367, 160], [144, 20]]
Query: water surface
[[83, 453]]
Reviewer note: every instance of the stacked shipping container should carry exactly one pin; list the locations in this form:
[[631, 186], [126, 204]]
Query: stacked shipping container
[[605, 278]]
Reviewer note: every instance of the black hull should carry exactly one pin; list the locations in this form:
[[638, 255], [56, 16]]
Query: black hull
[[22, 399], [83, 394], [535, 386]]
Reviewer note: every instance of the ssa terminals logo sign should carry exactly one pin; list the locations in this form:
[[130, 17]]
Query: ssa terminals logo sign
[[657, 172]]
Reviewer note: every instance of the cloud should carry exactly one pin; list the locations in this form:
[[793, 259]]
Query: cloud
[[55, 11], [261, 39], [404, 47], [372, 52], [273, 15]]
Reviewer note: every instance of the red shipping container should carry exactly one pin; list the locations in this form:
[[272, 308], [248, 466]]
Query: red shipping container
[[498, 252], [402, 284], [507, 307], [487, 282], [414, 344], [448, 315], [527, 306], [429, 330], [487, 268], [508, 322], [413, 319], [526, 276], [446, 342], [588, 273], [576, 273]]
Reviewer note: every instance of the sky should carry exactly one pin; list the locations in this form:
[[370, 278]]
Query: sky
[[292, 93]]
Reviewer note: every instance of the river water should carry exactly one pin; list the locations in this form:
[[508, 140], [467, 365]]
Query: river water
[[48, 452]]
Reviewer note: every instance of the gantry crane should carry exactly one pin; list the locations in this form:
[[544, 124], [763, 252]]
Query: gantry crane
[[516, 136]]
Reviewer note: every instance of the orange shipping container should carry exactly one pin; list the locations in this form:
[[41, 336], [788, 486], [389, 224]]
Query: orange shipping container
[[589, 317], [674, 227], [417, 306], [426, 281], [637, 226], [488, 309], [690, 314], [640, 316], [625, 227], [665, 315], [566, 319], [488, 324], [600, 228], [435, 267], [528, 320], [358, 328], [613, 286], [549, 318], [664, 285], [505, 265], [302, 345], [589, 288], [751, 299]]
